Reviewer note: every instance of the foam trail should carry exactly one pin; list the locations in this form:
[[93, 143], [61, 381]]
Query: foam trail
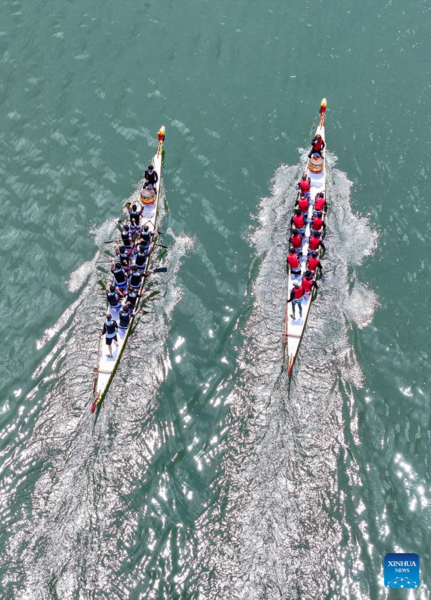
[[284, 526], [86, 472]]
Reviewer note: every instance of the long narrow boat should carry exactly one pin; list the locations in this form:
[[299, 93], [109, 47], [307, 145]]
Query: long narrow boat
[[294, 328], [106, 366]]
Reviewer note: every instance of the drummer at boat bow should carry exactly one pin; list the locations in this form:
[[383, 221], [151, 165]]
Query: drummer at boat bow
[[293, 262], [110, 328], [317, 146], [296, 297], [151, 178]]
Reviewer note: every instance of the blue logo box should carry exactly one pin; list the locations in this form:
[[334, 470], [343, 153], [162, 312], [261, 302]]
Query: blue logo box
[[401, 571]]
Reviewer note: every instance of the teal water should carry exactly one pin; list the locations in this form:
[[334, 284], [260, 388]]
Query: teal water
[[207, 475]]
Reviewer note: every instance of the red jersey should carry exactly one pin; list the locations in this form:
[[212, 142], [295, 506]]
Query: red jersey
[[293, 261]]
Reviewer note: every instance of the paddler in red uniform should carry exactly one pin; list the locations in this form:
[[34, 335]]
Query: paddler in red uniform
[[298, 221], [314, 243], [304, 186], [293, 262], [317, 224], [296, 240], [314, 263], [308, 283], [302, 204], [317, 145], [296, 297], [319, 204]]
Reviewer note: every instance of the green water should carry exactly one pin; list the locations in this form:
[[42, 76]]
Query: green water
[[207, 475]]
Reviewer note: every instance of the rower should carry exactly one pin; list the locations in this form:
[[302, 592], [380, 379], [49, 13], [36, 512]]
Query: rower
[[151, 178], [302, 204], [113, 297], [119, 276], [308, 283], [131, 299], [317, 224], [127, 238], [146, 235], [296, 240], [135, 216], [319, 203], [304, 186], [317, 145], [110, 328], [124, 317], [315, 243], [296, 296], [141, 257], [123, 254], [135, 279], [298, 221], [314, 263], [293, 262]]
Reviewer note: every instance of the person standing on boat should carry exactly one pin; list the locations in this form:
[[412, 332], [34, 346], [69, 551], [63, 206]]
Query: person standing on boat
[[318, 225], [113, 297], [298, 221], [319, 203], [317, 146], [304, 186], [293, 262], [308, 284], [120, 277], [314, 263], [135, 217], [150, 179], [110, 328], [296, 297], [296, 240]]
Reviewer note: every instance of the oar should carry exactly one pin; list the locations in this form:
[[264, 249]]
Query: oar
[[162, 246]]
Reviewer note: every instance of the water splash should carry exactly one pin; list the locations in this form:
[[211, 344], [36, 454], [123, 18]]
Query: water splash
[[284, 520]]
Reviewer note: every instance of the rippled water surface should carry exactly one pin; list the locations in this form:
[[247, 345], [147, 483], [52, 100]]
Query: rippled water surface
[[208, 474]]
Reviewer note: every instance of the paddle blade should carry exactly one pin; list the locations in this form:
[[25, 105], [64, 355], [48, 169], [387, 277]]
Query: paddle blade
[[102, 284], [120, 229], [101, 269], [161, 270], [109, 253]]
